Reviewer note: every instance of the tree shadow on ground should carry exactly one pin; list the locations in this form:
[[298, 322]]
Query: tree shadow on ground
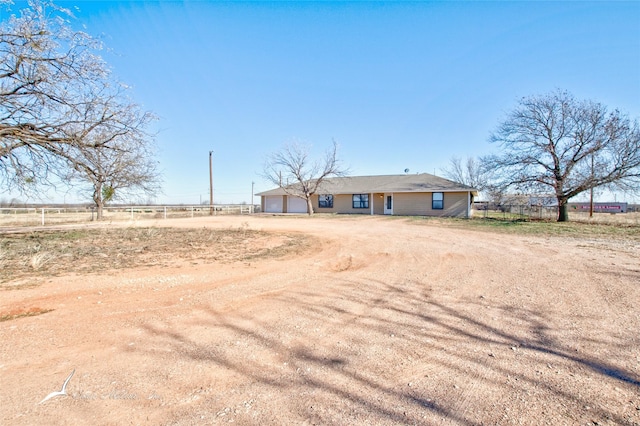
[[372, 352]]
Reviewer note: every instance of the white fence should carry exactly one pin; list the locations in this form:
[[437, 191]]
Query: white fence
[[40, 216]]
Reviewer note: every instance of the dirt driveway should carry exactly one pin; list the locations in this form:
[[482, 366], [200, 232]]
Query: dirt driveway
[[381, 321]]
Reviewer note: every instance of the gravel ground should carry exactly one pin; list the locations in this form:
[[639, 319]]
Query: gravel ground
[[377, 321]]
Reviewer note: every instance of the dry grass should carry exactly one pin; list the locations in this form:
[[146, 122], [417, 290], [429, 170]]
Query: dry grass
[[622, 229], [31, 312], [34, 255], [40, 259], [632, 218]]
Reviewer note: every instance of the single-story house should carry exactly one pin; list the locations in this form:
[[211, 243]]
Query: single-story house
[[407, 195]]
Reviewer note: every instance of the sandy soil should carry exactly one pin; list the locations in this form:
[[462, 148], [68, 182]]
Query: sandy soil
[[383, 321]]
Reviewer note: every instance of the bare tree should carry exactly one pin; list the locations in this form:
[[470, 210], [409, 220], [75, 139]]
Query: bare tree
[[558, 144], [56, 95], [470, 173], [291, 169], [125, 167], [474, 173]]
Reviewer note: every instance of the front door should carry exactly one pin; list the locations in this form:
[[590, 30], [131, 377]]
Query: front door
[[388, 203]]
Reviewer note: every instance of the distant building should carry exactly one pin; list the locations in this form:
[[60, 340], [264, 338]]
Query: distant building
[[543, 200], [599, 207]]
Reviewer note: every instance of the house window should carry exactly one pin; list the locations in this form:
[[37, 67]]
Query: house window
[[437, 201], [360, 201], [325, 201]]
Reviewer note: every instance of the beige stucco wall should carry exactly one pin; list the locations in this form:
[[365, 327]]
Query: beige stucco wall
[[414, 204], [419, 204], [404, 204], [456, 204]]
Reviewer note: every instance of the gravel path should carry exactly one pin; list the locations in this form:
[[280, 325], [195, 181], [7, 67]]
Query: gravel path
[[383, 321]]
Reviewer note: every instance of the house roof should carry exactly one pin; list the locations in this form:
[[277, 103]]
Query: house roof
[[423, 182]]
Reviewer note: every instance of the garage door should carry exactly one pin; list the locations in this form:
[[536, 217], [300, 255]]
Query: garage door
[[273, 204], [296, 205]]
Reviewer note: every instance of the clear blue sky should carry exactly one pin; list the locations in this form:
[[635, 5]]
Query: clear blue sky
[[398, 85]]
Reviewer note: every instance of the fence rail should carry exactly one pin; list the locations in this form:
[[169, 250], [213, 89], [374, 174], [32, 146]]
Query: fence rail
[[40, 216], [519, 211]]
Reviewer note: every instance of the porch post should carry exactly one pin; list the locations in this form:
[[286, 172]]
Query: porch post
[[371, 203], [468, 204]]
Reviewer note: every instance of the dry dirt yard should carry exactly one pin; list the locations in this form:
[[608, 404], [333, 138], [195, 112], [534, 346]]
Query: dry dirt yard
[[330, 320]]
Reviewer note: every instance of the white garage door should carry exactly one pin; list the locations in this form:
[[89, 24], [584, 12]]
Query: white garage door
[[273, 204], [296, 205]]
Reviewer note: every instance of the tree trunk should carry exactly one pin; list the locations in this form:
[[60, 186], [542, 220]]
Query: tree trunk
[[99, 208], [97, 198], [309, 206], [563, 212]]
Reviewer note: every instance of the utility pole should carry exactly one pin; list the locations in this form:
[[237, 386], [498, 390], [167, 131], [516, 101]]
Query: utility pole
[[591, 190], [252, 183], [210, 183]]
